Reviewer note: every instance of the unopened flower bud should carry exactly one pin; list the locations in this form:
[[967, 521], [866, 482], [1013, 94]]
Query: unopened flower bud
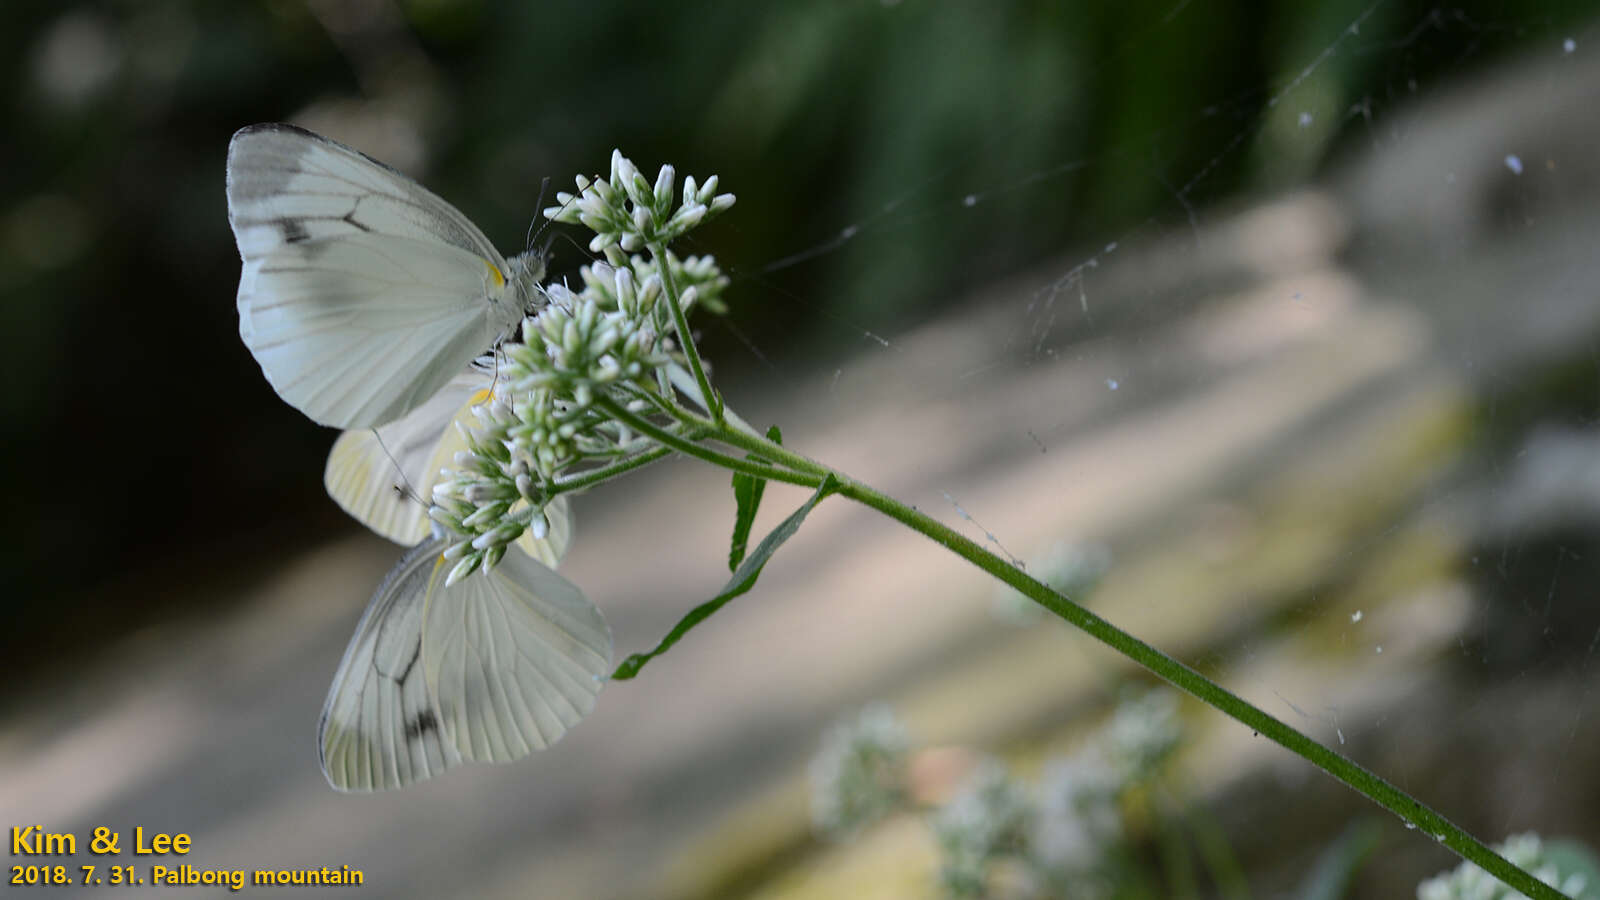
[[663, 187], [462, 569], [706, 191]]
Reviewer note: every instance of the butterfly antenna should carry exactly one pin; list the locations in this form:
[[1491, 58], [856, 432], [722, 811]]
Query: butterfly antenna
[[534, 235], [581, 248], [495, 380], [538, 205]]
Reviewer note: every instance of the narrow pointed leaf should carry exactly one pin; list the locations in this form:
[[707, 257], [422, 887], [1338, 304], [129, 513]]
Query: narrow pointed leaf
[[747, 491], [744, 578]]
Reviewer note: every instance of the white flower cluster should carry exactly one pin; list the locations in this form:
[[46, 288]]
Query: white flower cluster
[[626, 210], [1056, 838], [607, 340], [989, 819], [1526, 852], [1079, 814], [1142, 733], [860, 773], [481, 501], [1081, 796]]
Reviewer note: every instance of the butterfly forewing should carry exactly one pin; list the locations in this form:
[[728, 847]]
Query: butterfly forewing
[[287, 185], [362, 293]]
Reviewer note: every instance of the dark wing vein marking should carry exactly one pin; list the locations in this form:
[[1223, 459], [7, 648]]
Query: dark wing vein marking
[[420, 724], [405, 672], [462, 233]]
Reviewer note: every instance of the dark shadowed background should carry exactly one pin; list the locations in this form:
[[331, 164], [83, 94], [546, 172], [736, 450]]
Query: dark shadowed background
[[933, 197], [139, 427]]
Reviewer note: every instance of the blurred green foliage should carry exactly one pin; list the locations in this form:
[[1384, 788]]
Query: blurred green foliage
[[958, 141]]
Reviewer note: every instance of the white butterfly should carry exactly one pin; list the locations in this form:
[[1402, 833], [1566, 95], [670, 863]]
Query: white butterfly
[[363, 297], [486, 670], [383, 477], [362, 292]]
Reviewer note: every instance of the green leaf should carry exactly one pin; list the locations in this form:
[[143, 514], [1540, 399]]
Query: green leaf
[[744, 578], [747, 490]]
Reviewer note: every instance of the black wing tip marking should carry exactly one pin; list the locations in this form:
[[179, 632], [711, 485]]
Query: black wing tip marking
[[308, 134], [268, 127]]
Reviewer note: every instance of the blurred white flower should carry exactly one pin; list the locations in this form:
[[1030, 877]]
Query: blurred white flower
[[1078, 814], [1525, 851], [1141, 734], [859, 774], [990, 817]]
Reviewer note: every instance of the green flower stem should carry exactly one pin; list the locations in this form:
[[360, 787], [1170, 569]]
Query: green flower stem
[[680, 320], [755, 443], [772, 462], [1382, 792], [688, 447], [804, 471], [1352, 774], [596, 475]]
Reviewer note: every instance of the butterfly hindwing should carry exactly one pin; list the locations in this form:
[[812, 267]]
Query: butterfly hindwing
[[515, 658], [384, 477], [380, 727], [485, 670]]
